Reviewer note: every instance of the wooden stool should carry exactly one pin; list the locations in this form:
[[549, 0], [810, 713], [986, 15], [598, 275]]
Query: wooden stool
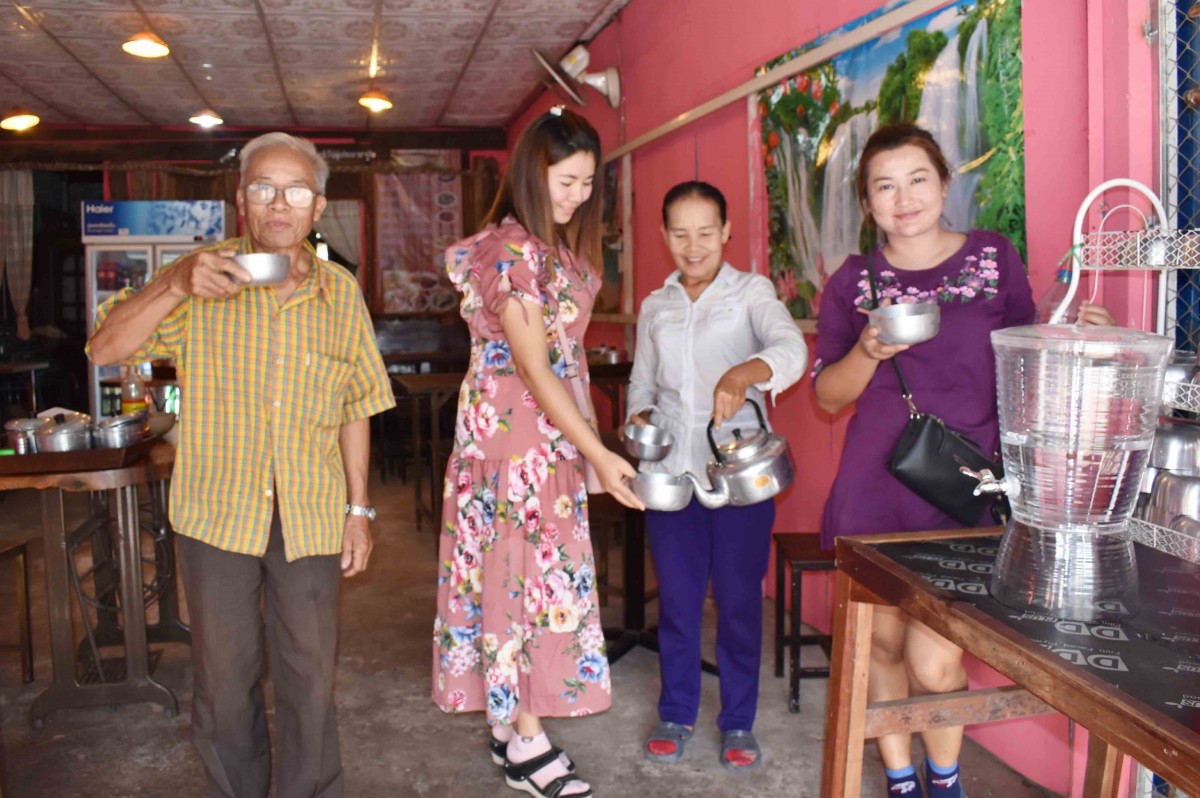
[[19, 553], [799, 552]]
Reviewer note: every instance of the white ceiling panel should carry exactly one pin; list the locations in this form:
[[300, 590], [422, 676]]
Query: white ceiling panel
[[443, 62]]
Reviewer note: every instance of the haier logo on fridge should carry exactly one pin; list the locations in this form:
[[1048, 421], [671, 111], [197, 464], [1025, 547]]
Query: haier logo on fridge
[[196, 221]]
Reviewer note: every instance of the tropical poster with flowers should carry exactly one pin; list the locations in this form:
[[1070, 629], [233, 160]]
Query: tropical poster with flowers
[[955, 72]]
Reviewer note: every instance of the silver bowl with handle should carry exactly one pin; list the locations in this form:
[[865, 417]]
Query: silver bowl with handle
[[648, 442], [662, 491], [266, 268], [906, 322]]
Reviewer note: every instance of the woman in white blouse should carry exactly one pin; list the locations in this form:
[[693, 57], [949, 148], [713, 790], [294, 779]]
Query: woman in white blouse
[[708, 340]]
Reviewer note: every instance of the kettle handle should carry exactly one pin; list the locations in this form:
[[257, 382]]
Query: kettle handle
[[712, 444]]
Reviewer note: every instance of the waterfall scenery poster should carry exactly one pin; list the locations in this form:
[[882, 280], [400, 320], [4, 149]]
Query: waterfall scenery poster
[[955, 72]]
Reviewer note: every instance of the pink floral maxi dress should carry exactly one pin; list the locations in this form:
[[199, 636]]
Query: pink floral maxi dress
[[518, 623]]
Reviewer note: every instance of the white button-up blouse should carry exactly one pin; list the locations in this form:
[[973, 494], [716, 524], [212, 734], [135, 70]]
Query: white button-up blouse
[[684, 348]]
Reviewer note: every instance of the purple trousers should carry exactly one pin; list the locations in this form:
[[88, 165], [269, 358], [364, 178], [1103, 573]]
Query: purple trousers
[[730, 545]]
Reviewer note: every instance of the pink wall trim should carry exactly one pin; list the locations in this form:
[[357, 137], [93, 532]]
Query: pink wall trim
[[1090, 110]]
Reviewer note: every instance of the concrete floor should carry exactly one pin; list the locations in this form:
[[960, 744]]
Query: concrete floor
[[394, 741]]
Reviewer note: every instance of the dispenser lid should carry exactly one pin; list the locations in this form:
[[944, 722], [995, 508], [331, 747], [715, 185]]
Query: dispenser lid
[[1086, 340]]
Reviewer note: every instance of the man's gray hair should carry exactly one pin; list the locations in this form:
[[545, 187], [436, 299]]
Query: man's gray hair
[[268, 141]]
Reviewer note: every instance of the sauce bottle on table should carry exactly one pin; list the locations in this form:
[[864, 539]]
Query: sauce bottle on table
[[133, 393]]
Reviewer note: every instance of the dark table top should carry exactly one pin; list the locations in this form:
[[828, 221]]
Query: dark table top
[[21, 367], [1152, 656]]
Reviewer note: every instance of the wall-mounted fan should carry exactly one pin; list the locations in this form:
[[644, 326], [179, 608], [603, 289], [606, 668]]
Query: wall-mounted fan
[[571, 71]]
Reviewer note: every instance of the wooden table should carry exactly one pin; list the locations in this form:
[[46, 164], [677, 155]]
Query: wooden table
[[1138, 694], [433, 391], [135, 684], [30, 368], [436, 361]]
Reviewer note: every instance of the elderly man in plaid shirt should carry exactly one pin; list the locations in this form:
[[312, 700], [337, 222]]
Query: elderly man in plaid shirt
[[269, 493]]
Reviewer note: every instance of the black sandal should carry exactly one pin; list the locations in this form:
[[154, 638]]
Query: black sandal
[[518, 776], [500, 754]]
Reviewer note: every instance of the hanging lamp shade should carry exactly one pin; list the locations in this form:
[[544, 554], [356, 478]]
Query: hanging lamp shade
[[206, 117], [375, 101], [146, 45], [19, 119]]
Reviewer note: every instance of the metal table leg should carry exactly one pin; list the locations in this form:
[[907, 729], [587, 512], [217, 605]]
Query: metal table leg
[[66, 689]]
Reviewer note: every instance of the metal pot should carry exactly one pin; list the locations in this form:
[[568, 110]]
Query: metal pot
[[19, 432], [746, 470], [121, 431], [663, 491], [65, 434]]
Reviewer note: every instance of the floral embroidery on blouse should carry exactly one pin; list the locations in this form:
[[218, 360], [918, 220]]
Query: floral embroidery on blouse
[[978, 276], [818, 367]]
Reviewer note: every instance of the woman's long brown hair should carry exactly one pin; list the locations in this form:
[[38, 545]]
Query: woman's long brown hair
[[525, 192]]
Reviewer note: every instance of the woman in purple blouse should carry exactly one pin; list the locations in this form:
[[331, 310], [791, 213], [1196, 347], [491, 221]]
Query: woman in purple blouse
[[979, 281]]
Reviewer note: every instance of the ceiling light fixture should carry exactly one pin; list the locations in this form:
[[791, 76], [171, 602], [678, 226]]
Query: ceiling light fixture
[[206, 118], [19, 119], [146, 45], [375, 101]]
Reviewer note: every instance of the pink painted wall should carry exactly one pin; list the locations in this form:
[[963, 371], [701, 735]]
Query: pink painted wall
[[1090, 107]]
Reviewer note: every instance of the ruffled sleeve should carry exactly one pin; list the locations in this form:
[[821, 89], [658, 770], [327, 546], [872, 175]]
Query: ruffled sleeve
[[499, 264]]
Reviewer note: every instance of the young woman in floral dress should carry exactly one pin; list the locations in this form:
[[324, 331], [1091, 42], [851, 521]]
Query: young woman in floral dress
[[979, 282], [518, 629]]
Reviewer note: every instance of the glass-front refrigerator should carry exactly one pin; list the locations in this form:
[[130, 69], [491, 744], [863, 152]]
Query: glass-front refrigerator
[[126, 243]]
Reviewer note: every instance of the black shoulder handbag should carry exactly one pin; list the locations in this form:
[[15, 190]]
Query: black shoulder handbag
[[928, 456]]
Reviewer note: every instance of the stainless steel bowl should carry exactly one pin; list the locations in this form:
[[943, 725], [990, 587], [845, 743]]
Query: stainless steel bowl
[[266, 268], [649, 443], [1176, 446], [1172, 495], [907, 322], [663, 491], [121, 431]]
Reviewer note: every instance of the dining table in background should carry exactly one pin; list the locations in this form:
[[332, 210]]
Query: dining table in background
[[29, 368]]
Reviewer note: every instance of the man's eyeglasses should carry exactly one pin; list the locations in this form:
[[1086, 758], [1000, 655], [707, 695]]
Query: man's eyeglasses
[[296, 196]]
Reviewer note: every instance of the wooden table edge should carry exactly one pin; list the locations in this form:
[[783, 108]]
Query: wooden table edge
[[1163, 743]]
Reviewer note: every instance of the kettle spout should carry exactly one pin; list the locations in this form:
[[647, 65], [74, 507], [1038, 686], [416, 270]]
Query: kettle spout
[[709, 499]]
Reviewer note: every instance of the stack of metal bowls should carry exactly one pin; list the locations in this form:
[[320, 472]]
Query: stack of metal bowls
[[1171, 484], [658, 491]]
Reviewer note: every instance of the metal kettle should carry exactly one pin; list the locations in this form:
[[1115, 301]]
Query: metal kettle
[[748, 469]]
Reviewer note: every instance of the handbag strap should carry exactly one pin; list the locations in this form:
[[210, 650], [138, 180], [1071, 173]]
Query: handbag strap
[[564, 346], [904, 391]]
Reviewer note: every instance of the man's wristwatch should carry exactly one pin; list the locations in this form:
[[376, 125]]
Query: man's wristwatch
[[358, 509]]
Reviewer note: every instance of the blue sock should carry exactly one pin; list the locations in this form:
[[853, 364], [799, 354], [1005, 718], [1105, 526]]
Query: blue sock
[[942, 782], [903, 781]]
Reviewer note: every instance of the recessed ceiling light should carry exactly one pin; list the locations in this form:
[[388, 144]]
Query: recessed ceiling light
[[375, 101], [19, 119], [146, 45], [206, 118]]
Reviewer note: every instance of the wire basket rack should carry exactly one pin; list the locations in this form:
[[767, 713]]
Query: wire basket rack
[[1179, 544], [1129, 250]]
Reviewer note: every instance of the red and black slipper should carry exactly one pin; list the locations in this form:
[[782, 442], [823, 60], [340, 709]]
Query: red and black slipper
[[667, 742], [739, 750]]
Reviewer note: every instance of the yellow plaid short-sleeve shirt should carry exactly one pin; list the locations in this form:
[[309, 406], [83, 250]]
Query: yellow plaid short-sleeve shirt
[[265, 390]]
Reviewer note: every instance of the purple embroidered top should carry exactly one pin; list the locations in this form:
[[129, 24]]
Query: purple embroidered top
[[981, 287]]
